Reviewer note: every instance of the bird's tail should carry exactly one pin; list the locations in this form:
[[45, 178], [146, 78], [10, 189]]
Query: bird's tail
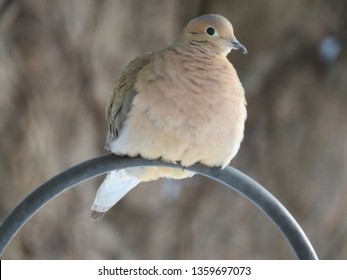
[[113, 188]]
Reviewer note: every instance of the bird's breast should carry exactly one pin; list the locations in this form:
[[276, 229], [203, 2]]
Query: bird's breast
[[190, 95]]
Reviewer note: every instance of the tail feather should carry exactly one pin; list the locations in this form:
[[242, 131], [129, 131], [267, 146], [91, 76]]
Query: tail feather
[[116, 185]]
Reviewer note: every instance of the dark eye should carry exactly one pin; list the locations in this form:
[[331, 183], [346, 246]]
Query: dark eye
[[210, 30]]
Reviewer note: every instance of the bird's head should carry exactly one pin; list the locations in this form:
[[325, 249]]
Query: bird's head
[[214, 30]]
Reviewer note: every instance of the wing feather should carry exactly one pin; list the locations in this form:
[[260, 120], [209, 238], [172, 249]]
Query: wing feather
[[121, 100]]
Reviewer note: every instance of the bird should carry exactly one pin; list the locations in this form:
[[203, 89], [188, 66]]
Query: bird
[[182, 104]]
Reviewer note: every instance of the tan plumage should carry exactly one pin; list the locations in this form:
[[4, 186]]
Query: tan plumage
[[184, 103]]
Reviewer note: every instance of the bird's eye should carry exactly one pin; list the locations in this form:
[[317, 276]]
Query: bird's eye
[[210, 30]]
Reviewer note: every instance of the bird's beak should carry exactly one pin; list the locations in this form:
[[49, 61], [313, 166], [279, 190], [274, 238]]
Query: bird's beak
[[235, 44]]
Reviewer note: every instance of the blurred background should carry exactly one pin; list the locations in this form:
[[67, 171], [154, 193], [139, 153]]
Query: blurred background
[[59, 61]]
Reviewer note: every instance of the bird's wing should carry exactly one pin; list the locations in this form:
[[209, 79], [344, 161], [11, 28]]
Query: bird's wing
[[121, 100]]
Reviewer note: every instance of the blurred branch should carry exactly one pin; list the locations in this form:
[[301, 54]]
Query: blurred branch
[[229, 176]]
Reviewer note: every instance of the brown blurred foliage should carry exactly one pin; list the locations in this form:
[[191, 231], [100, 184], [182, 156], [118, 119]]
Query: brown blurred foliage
[[59, 61]]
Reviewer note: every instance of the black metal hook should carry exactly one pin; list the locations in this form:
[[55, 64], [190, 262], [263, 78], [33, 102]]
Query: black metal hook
[[229, 176]]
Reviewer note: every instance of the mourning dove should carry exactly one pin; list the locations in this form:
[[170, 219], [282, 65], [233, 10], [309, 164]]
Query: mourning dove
[[184, 103]]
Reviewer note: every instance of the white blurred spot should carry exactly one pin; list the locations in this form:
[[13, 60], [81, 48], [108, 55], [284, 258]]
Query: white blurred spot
[[329, 49]]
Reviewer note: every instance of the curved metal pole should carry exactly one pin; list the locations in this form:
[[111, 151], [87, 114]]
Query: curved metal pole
[[229, 176]]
